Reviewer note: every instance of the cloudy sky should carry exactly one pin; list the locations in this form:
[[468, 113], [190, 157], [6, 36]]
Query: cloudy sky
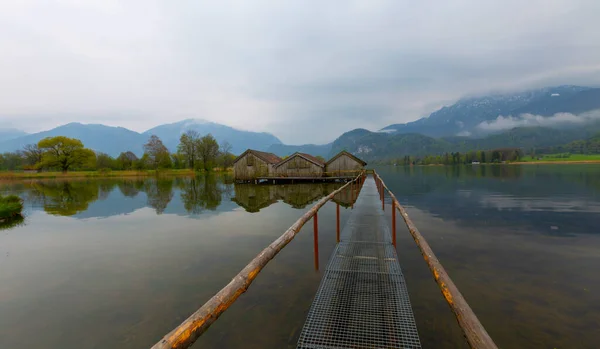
[[303, 70]]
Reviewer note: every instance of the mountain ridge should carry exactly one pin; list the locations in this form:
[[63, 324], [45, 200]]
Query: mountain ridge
[[541, 117], [116, 139], [464, 116]]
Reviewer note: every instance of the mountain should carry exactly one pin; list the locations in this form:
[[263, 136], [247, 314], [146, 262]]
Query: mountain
[[577, 103], [382, 145], [106, 139], [10, 133], [463, 117], [239, 140], [114, 140], [282, 150]]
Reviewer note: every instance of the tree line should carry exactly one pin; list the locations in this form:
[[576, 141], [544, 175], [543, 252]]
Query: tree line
[[65, 154], [458, 158]]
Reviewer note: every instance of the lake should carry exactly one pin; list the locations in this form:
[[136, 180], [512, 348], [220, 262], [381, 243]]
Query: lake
[[120, 262]]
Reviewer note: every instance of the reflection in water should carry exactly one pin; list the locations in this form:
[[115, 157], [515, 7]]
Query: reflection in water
[[197, 194], [254, 197], [65, 198], [11, 222], [200, 193], [159, 192], [116, 272], [520, 242]]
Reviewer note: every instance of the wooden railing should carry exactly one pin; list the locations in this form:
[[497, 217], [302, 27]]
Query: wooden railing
[[474, 332], [184, 335]]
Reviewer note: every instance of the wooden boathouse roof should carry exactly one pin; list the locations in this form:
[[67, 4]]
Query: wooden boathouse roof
[[267, 157], [305, 156], [343, 152]]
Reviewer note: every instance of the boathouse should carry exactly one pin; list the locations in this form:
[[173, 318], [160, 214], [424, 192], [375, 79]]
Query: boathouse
[[252, 164], [300, 165], [344, 164]]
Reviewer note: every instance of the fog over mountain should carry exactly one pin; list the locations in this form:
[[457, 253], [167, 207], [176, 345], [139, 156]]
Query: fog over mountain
[[527, 120]]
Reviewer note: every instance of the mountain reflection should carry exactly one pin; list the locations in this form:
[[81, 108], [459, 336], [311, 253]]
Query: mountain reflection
[[551, 199]]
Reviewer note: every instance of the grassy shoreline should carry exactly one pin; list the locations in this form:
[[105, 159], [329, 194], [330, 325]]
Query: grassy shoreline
[[97, 174], [555, 162]]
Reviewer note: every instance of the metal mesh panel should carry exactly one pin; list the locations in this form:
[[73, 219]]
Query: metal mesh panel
[[362, 301]]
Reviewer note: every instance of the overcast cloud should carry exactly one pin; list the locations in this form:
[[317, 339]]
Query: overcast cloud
[[305, 71]]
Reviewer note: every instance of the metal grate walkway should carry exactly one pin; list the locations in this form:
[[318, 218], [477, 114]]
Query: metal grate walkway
[[362, 301]]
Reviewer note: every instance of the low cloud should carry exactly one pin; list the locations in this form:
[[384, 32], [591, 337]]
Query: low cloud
[[559, 119]]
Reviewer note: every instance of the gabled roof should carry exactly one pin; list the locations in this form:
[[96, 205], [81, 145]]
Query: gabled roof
[[267, 157], [306, 157], [343, 152]]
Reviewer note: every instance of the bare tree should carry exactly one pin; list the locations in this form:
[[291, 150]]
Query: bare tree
[[226, 156], [32, 155]]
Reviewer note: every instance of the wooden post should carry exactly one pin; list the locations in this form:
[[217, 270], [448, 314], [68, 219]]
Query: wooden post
[[337, 221], [394, 223], [316, 238], [382, 198]]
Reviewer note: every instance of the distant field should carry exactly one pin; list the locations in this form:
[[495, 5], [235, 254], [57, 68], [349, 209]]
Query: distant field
[[558, 158], [81, 174]]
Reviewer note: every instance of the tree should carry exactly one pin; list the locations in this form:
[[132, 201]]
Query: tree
[[32, 155], [104, 161], [157, 154], [178, 161], [11, 161], [226, 156], [208, 150], [126, 160], [188, 147], [63, 153]]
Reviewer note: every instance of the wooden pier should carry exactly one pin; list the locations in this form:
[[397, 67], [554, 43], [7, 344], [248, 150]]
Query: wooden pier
[[362, 301]]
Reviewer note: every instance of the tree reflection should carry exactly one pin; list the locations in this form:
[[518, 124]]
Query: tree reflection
[[64, 198], [159, 192], [200, 193], [130, 188]]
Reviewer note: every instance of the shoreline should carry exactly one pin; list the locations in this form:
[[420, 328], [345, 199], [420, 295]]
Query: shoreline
[[573, 162], [545, 162], [99, 174]]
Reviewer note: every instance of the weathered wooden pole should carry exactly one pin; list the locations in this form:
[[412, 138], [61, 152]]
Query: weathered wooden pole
[[474, 332], [316, 239], [382, 200], [394, 223], [184, 335], [337, 221]]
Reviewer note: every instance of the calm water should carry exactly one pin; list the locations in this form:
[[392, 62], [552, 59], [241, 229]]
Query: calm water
[[118, 263]]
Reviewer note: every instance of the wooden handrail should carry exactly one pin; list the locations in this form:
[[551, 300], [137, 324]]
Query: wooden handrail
[[473, 330], [184, 335]]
